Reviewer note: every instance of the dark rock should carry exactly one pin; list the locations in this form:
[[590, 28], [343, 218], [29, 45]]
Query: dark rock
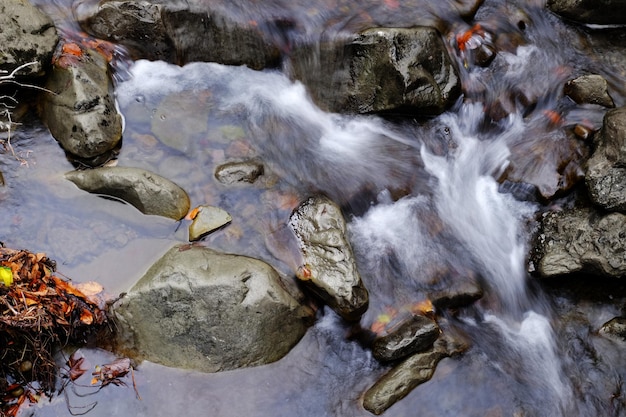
[[135, 24], [180, 32], [208, 35], [606, 169], [582, 240], [457, 295], [416, 334], [26, 35], [380, 70], [239, 172], [81, 113], [608, 12], [589, 89], [148, 192], [203, 310], [404, 377], [328, 262]]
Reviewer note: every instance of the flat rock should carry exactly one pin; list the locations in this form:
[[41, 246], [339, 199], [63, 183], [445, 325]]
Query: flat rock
[[329, 267], [207, 220], [199, 309], [179, 32], [148, 192]]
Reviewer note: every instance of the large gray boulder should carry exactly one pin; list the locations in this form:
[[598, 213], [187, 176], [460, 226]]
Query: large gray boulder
[[581, 240], [148, 192], [179, 32], [199, 309], [80, 112], [26, 35], [606, 169], [605, 12], [380, 70], [329, 267]]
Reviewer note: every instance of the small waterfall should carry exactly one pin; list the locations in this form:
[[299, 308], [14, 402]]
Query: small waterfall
[[489, 225]]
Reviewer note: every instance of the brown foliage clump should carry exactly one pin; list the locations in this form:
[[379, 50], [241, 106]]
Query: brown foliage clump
[[39, 313]]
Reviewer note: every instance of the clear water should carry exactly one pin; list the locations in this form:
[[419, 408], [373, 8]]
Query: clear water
[[423, 202]]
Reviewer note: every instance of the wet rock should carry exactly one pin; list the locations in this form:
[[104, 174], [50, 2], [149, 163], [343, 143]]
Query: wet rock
[[457, 295], [606, 169], [180, 32], [239, 172], [380, 70], [582, 240], [610, 12], [207, 220], [81, 114], [416, 334], [329, 265], [208, 35], [148, 192], [408, 374], [27, 35], [614, 329], [589, 89], [135, 24], [199, 309]]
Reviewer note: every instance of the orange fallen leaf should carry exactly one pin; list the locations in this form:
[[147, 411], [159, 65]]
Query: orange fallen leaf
[[72, 48]]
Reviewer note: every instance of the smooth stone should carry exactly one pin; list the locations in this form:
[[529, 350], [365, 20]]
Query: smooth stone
[[148, 192], [207, 220]]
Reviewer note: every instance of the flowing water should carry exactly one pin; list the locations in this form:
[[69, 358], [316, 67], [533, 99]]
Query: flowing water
[[424, 199]]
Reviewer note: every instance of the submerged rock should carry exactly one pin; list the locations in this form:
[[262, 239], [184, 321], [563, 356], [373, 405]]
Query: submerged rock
[[379, 70], [26, 35], [582, 240], [458, 294], [329, 265], [147, 191], [606, 169], [199, 309], [416, 334], [81, 113], [206, 220], [608, 12], [239, 172], [590, 89]]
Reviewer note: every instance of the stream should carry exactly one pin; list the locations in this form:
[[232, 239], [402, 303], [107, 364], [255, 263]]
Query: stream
[[423, 198]]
